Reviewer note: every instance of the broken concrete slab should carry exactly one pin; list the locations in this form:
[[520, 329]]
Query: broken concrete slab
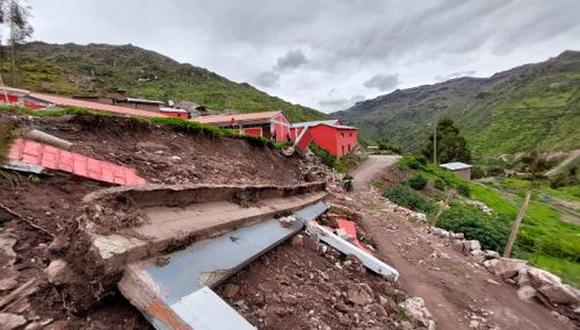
[[369, 261], [16, 165], [176, 215], [167, 289]]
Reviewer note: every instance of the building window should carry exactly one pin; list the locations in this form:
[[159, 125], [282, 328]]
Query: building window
[[350, 134], [349, 148]]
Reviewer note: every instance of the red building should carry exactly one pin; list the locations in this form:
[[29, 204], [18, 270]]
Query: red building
[[271, 125], [330, 135]]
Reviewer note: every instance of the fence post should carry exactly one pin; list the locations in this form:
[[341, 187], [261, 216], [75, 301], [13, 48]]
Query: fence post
[[516, 225]]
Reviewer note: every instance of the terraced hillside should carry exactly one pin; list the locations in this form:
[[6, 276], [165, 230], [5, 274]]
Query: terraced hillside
[[534, 106], [95, 68]]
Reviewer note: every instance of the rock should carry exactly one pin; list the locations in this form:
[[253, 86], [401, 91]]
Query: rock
[[457, 245], [287, 222], [459, 236], [490, 264], [474, 324], [489, 254], [539, 278], [10, 321], [231, 290], [175, 158], [523, 277], [290, 299], [59, 244], [476, 253], [297, 240], [526, 293], [508, 268], [559, 317], [58, 272], [416, 310], [471, 245], [8, 283], [7, 243], [359, 296], [559, 294]]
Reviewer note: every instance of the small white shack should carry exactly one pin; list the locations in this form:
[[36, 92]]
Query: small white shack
[[460, 169]]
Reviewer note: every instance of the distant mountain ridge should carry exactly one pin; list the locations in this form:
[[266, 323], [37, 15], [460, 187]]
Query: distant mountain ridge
[[533, 106], [73, 69]]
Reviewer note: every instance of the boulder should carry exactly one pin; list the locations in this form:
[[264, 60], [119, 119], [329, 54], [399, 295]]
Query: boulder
[[471, 245], [559, 294], [458, 236], [416, 310], [539, 278], [490, 264], [523, 277], [489, 254], [507, 267], [10, 321], [476, 253], [59, 272], [359, 296], [526, 293]]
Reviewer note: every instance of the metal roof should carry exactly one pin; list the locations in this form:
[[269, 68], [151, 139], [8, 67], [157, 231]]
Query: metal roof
[[137, 100], [68, 102], [316, 122], [241, 117], [456, 166]]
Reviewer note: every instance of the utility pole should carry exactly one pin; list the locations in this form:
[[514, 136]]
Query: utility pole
[[516, 225], [435, 142]]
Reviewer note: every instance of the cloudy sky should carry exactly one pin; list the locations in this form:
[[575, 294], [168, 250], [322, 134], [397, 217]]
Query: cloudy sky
[[326, 54]]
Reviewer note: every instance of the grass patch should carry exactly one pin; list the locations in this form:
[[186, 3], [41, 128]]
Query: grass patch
[[409, 198]]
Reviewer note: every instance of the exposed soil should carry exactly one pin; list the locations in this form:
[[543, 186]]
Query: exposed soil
[[169, 155], [39, 211], [456, 289], [295, 287]]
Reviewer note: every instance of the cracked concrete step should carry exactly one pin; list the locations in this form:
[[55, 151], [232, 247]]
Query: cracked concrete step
[[174, 292]]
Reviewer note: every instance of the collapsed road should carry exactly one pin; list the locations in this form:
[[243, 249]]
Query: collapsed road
[[75, 243]]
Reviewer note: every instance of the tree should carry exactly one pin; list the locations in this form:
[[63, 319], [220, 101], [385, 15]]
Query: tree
[[16, 14], [451, 145]]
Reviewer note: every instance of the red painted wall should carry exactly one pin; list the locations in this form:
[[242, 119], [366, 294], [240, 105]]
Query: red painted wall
[[280, 128], [338, 142], [177, 114], [11, 98], [255, 131]]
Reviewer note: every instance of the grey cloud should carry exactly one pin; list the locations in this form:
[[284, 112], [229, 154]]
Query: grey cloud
[[383, 82], [292, 60], [340, 103], [267, 79], [454, 75]]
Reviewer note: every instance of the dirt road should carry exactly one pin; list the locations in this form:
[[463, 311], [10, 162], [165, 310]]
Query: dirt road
[[365, 173], [460, 293]]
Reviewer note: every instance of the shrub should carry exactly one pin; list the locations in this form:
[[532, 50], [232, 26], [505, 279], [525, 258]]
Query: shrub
[[422, 160], [439, 184], [463, 190], [490, 231], [409, 198], [328, 159], [417, 182]]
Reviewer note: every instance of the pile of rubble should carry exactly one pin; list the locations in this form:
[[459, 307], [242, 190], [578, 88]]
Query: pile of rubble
[[313, 169], [533, 283], [537, 283]]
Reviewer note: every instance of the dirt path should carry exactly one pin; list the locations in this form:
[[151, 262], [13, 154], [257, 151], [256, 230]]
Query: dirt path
[[365, 173], [459, 292], [571, 157]]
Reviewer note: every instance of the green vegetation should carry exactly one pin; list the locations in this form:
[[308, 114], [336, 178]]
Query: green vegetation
[[417, 182], [95, 69], [5, 139], [544, 238], [336, 163], [186, 126], [451, 145], [541, 102], [409, 198]]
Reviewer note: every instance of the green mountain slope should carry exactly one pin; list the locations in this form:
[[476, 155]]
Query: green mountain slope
[[95, 68], [534, 106]]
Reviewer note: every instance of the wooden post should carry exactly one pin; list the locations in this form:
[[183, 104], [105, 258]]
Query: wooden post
[[516, 225], [442, 207]]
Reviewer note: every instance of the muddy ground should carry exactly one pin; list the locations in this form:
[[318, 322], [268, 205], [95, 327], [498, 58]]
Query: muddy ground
[[37, 211]]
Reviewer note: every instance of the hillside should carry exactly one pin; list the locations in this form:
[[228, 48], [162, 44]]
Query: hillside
[[531, 106], [82, 70]]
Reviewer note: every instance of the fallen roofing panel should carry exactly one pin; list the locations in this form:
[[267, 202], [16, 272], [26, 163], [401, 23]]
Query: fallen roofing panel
[[326, 235], [350, 228], [68, 102], [32, 153], [175, 285], [237, 118]]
